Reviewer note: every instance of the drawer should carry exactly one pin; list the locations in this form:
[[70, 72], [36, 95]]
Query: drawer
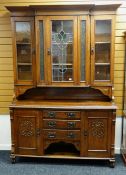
[[61, 124], [61, 114], [62, 134]]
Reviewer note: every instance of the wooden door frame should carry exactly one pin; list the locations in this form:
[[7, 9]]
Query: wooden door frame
[[31, 21], [102, 82]]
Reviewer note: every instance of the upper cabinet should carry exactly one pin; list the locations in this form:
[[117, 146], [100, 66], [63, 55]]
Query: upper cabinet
[[70, 45]]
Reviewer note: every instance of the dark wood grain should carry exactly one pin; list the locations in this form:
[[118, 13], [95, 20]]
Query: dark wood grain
[[64, 93]]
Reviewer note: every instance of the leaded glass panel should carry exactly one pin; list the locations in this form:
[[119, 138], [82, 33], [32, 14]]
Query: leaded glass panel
[[62, 50]]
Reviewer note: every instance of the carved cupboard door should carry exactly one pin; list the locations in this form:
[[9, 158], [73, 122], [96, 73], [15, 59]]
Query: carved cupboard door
[[97, 133], [27, 130]]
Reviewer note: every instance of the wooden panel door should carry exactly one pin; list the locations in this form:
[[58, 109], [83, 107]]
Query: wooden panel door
[[97, 133], [23, 50], [27, 132], [102, 50]]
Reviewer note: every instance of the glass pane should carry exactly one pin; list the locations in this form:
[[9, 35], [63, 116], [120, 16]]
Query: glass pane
[[23, 53], [102, 53], [102, 72], [62, 50], [83, 54], [62, 73], [23, 32], [102, 49], [103, 30], [41, 50], [24, 72]]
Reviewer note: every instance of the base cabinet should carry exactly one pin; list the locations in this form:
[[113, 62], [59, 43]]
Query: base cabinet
[[63, 133]]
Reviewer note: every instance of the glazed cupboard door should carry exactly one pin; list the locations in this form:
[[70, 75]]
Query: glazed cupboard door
[[96, 135], [62, 44], [57, 49], [23, 50], [27, 132], [102, 49]]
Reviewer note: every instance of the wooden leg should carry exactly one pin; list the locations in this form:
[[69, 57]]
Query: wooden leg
[[112, 163], [13, 159]]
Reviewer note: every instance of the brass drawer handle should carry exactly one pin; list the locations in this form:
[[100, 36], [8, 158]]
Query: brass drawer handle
[[51, 135], [52, 124], [71, 124], [71, 135], [51, 114], [71, 115]]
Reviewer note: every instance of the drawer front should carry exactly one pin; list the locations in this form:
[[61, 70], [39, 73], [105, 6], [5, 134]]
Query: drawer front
[[61, 114], [62, 134], [61, 124]]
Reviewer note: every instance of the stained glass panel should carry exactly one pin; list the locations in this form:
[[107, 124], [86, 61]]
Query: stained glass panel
[[62, 50]]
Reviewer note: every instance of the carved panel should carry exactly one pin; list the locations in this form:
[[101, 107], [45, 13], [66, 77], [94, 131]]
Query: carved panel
[[97, 128], [26, 128]]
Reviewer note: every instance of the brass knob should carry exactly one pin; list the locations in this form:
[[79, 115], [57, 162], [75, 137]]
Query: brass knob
[[51, 114], [71, 135], [51, 124], [71, 124], [70, 115]]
